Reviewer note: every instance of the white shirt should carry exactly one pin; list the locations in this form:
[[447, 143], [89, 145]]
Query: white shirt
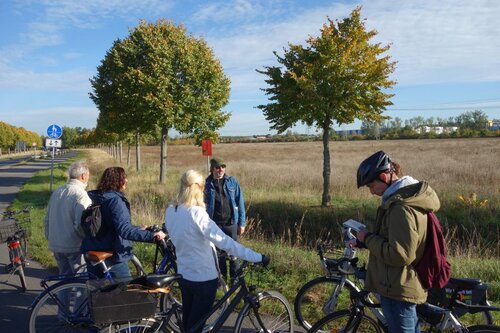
[[195, 236]]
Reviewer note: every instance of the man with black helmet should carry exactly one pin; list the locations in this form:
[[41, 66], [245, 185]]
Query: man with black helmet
[[225, 205], [397, 239]]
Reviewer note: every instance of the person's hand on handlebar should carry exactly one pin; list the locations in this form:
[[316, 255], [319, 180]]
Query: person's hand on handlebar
[[159, 235]]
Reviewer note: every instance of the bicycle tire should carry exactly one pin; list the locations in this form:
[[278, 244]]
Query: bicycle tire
[[273, 309], [138, 326], [337, 321], [22, 277], [137, 269], [314, 299], [45, 315], [484, 329], [174, 296]]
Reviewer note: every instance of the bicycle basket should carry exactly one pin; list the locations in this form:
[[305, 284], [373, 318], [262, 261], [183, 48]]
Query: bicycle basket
[[473, 296], [8, 228], [118, 302]]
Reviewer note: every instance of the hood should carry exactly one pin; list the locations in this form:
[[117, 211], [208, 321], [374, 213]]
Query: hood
[[419, 196], [98, 197]]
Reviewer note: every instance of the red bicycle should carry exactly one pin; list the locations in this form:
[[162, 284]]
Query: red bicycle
[[15, 236]]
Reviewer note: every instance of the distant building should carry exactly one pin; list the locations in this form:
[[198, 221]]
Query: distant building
[[494, 125], [436, 129], [349, 132]]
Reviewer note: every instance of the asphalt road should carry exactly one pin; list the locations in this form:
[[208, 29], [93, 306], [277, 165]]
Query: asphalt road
[[13, 302]]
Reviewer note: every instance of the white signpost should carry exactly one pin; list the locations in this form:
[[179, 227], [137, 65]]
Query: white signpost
[[54, 132], [53, 143]]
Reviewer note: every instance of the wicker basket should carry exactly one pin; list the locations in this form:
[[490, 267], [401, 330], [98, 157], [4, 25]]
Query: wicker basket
[[8, 228], [117, 302]]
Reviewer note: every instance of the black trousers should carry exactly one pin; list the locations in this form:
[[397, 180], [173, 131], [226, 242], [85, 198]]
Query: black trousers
[[197, 300], [232, 231]]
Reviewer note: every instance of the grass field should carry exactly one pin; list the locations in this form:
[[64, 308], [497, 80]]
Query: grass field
[[282, 183]]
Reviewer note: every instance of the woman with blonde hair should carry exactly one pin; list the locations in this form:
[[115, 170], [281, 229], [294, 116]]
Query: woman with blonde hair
[[195, 236]]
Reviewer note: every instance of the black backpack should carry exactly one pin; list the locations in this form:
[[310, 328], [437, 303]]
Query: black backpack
[[91, 221], [433, 269]]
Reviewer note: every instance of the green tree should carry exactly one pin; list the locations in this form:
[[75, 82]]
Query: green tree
[[338, 77], [159, 77], [7, 136], [69, 137], [473, 120]]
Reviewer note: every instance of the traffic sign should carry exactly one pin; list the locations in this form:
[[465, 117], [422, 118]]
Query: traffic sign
[[54, 131], [53, 143]]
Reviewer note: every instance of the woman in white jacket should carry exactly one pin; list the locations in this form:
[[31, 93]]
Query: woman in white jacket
[[195, 236]]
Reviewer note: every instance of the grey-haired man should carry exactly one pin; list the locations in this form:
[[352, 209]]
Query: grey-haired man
[[62, 222]]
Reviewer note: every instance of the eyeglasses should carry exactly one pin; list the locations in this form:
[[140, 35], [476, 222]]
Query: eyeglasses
[[223, 166]]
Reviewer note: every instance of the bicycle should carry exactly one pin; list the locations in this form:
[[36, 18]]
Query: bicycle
[[45, 310], [325, 294], [265, 311], [356, 319], [14, 231]]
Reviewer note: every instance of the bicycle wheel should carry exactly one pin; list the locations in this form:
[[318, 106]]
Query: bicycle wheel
[[60, 308], [483, 329], [274, 311], [136, 268], [174, 297], [16, 257], [338, 320], [22, 277], [320, 297], [140, 326]]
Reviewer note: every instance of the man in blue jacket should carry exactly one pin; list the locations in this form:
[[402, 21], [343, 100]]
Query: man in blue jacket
[[225, 205]]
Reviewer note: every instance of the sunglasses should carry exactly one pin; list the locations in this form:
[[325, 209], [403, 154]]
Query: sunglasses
[[223, 166]]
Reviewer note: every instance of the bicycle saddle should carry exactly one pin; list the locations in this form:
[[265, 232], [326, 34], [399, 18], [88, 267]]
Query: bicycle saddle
[[97, 256], [156, 280]]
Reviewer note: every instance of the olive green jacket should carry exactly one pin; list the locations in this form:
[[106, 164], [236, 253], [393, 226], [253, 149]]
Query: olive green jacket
[[398, 240]]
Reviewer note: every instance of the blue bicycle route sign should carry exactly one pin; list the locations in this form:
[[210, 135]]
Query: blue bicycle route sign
[[54, 131]]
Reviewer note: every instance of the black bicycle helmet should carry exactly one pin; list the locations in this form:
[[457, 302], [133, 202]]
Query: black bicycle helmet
[[370, 168]]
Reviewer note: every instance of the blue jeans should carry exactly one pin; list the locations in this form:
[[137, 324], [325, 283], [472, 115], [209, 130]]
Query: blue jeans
[[119, 270], [401, 316], [197, 300]]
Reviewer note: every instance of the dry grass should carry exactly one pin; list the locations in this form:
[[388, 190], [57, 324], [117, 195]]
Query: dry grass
[[282, 183]]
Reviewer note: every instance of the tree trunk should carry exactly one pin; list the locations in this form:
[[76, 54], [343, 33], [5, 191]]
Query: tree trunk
[[128, 152], [325, 201], [137, 152], [120, 150], [163, 154]]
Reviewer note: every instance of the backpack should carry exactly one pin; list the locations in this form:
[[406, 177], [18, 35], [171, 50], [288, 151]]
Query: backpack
[[91, 221], [433, 270]]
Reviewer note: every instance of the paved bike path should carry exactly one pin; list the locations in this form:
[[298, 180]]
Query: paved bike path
[[14, 302]]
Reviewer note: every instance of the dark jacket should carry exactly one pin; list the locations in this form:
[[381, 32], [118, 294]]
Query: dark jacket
[[118, 231], [233, 194], [397, 241]]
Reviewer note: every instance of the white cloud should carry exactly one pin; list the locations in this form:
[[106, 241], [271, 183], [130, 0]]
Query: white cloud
[[227, 11], [433, 42]]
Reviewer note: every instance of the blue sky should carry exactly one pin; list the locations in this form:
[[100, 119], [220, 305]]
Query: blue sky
[[448, 52]]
